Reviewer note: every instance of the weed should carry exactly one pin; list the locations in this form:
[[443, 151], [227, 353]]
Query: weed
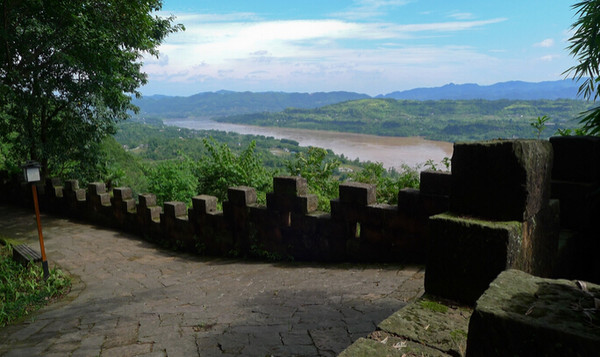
[[540, 124], [23, 289]]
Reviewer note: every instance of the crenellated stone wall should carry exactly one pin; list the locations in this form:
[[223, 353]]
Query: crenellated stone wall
[[498, 182], [287, 227]]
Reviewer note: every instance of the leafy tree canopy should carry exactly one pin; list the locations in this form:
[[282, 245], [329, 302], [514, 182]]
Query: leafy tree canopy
[[585, 47], [68, 71]]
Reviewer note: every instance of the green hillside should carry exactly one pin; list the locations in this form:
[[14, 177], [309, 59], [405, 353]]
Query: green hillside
[[448, 120], [211, 104]]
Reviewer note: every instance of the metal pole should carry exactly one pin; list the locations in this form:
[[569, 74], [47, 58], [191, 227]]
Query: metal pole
[[39, 227]]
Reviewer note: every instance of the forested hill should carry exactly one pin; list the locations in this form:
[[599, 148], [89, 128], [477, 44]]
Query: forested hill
[[447, 120], [222, 103]]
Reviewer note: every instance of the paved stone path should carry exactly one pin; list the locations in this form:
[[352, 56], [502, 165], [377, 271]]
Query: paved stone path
[[131, 298]]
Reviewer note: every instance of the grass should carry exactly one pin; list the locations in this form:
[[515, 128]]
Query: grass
[[23, 289], [434, 306]]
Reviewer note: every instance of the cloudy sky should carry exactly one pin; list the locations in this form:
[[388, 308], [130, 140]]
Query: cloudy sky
[[367, 46]]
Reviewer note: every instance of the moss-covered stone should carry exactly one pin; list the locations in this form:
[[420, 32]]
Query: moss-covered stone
[[435, 323], [523, 315], [505, 180], [367, 348], [465, 254]]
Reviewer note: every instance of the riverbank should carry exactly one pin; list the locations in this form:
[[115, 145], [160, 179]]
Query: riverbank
[[391, 151]]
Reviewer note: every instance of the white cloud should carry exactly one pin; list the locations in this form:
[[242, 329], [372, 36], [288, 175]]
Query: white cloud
[[462, 15], [549, 42], [364, 9], [241, 46], [229, 50], [549, 58]]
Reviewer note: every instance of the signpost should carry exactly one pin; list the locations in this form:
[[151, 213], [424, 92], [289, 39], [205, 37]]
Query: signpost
[[31, 171]]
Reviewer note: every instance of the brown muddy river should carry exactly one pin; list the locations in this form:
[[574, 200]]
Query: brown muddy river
[[391, 151]]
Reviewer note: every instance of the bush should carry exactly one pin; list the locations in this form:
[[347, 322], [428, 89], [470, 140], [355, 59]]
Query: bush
[[173, 180], [388, 182], [318, 171], [222, 169]]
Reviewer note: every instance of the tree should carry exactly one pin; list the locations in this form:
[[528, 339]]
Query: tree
[[318, 171], [585, 47], [173, 180], [222, 168], [389, 181], [68, 70]]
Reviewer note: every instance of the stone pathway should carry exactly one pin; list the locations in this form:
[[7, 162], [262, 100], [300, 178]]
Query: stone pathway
[[131, 298]]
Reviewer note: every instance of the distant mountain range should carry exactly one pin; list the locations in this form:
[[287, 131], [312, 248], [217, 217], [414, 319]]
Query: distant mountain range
[[226, 103], [563, 89]]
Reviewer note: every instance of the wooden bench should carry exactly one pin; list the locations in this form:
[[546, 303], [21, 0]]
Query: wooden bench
[[24, 254]]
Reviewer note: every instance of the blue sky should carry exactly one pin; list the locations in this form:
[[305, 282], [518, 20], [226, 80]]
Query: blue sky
[[366, 46]]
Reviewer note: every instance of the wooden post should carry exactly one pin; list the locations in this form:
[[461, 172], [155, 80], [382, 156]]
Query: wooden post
[[40, 235]]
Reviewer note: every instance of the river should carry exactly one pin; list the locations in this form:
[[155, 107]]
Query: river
[[391, 151]]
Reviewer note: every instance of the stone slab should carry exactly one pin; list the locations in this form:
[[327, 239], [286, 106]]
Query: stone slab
[[290, 186], [466, 254], [529, 316], [435, 182], [504, 180], [361, 194], [433, 322], [392, 347], [570, 164]]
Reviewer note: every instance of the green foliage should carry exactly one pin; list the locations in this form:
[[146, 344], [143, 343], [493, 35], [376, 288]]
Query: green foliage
[[388, 182], [211, 104], [221, 169], [448, 120], [539, 125], [118, 167], [318, 171], [432, 165], [24, 290], [69, 69], [584, 47], [173, 180], [569, 132]]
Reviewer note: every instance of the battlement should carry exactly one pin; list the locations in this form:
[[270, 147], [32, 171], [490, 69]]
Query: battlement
[[497, 181], [288, 226]]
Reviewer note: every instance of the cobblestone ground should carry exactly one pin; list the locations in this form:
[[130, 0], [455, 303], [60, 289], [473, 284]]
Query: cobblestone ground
[[131, 298]]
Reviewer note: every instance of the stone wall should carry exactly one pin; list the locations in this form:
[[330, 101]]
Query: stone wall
[[287, 227], [492, 185]]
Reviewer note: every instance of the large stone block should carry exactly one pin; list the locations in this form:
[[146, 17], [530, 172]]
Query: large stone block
[[437, 324], [435, 182], [204, 204], [522, 315], [409, 200], [466, 254], [98, 195], [175, 209], [241, 196], [290, 185], [122, 193], [147, 200], [539, 242], [391, 346], [54, 187], [504, 180], [72, 190], [147, 210], [576, 158], [361, 194], [579, 203]]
